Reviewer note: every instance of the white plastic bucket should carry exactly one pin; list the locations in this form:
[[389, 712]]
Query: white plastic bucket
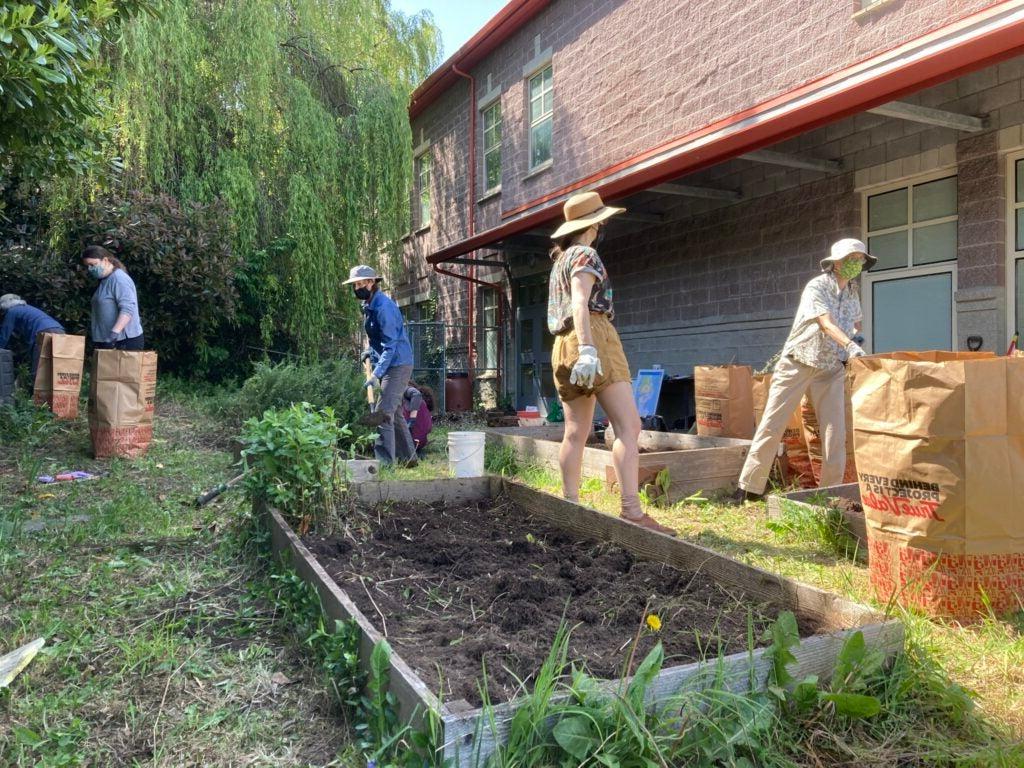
[[466, 454]]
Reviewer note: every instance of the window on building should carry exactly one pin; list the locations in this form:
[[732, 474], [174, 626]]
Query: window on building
[[908, 296], [423, 189], [492, 147], [489, 330], [541, 111], [1016, 242]]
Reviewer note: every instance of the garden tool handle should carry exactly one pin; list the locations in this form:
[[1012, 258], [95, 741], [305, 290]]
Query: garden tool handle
[[369, 372]]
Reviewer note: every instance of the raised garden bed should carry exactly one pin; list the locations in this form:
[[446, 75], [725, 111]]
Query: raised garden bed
[[818, 501], [694, 463], [563, 536]]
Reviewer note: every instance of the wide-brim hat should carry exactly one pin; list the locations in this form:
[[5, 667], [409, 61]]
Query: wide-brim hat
[[362, 272], [843, 248], [582, 212]]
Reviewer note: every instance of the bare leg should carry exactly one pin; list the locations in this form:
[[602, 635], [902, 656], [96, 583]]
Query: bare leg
[[617, 401], [579, 421]]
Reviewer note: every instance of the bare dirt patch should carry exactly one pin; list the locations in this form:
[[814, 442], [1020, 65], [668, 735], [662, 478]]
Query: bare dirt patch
[[484, 584]]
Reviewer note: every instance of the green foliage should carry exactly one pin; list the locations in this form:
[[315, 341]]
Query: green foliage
[[501, 460], [49, 69], [818, 521], [334, 384], [293, 455], [25, 424]]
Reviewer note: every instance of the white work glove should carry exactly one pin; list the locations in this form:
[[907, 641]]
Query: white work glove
[[853, 349], [373, 382], [587, 368]]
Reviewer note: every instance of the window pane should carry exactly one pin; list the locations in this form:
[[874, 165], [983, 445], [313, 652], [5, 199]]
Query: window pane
[[1020, 229], [887, 210], [547, 78], [912, 313], [535, 85], [547, 103], [890, 250], [536, 109], [936, 242], [541, 143], [1019, 287], [935, 199], [1020, 181], [492, 169]]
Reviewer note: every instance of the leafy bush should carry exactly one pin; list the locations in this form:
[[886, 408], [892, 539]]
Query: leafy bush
[[25, 423], [292, 455], [335, 384]]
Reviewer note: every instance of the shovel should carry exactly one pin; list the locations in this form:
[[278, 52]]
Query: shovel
[[374, 418]]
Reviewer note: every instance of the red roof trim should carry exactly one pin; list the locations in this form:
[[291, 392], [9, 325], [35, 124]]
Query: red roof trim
[[500, 28], [916, 73]]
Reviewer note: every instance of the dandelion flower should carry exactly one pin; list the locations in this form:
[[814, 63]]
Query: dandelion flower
[[654, 622]]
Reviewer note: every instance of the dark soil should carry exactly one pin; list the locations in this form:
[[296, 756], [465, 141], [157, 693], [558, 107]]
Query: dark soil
[[846, 505], [487, 585]]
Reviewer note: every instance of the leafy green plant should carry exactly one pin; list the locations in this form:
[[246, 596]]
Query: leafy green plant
[[293, 455], [501, 460], [26, 424], [818, 520]]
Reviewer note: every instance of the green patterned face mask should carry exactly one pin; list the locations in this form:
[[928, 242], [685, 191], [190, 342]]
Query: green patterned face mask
[[850, 269]]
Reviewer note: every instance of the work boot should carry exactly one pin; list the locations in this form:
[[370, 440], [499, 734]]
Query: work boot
[[410, 463], [739, 497]]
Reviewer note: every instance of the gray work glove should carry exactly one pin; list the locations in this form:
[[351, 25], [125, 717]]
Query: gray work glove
[[853, 349], [587, 368]]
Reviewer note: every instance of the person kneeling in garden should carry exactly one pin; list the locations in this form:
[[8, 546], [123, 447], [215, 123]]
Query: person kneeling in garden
[[418, 407], [391, 356]]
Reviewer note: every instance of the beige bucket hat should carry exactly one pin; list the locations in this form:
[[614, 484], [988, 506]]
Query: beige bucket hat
[[843, 248], [362, 272], [582, 212]]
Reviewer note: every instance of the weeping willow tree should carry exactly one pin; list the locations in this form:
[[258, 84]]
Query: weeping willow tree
[[294, 113]]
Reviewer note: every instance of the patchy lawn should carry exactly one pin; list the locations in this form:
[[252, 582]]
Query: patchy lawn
[[161, 647]]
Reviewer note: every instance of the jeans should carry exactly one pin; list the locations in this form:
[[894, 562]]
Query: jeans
[[393, 438], [135, 344]]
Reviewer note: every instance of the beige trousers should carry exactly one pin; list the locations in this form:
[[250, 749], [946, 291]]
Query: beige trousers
[[789, 383]]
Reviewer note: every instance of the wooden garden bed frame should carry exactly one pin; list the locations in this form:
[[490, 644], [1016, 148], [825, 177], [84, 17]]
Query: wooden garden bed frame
[[467, 735], [694, 463], [778, 503]]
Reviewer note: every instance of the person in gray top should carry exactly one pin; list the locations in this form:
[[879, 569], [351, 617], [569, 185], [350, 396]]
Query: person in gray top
[[115, 322]]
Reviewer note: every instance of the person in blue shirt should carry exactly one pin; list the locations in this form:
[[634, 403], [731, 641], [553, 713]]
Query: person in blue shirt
[[115, 322], [391, 356], [25, 322]]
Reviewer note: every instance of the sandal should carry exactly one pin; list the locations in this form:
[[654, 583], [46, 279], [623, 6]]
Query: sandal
[[646, 521]]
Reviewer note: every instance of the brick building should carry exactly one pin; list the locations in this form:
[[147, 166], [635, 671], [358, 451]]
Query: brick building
[[743, 137]]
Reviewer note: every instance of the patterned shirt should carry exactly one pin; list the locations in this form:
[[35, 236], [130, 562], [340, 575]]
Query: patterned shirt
[[576, 259], [807, 343]]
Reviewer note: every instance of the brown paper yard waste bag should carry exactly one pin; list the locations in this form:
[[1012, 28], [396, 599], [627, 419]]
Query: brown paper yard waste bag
[[724, 399], [798, 463], [122, 394], [940, 458], [58, 381]]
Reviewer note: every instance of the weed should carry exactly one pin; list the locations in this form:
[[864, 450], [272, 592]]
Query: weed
[[501, 460]]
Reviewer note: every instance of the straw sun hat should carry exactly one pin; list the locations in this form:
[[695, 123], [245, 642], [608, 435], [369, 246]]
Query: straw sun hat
[[582, 212]]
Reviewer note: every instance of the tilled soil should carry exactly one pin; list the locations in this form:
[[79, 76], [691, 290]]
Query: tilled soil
[[484, 584], [846, 505]]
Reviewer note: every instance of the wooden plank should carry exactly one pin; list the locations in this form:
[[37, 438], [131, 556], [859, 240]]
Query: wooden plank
[[359, 470], [831, 610], [453, 490], [13, 664], [414, 698]]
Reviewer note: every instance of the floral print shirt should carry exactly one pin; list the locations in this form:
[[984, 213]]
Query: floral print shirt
[[807, 343], [576, 259]]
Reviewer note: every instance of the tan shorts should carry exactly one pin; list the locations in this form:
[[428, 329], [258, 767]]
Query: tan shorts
[[609, 352]]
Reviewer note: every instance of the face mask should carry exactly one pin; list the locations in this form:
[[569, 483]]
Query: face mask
[[848, 270], [361, 293], [96, 271], [600, 237]]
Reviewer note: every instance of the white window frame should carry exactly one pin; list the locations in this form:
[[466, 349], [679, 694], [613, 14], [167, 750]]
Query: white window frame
[[488, 190], [546, 116], [868, 279], [1012, 254], [421, 160]]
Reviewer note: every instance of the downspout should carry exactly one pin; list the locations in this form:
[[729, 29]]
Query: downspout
[[471, 212]]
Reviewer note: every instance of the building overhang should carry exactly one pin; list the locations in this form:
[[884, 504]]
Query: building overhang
[[977, 41]]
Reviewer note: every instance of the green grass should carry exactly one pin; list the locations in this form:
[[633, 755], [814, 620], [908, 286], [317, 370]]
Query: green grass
[[161, 646]]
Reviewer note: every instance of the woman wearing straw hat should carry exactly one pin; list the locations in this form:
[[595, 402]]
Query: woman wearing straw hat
[[588, 361], [390, 354], [812, 361]]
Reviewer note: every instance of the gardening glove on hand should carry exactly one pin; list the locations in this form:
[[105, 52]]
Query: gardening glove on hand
[[587, 368], [367, 355], [373, 381], [853, 349]]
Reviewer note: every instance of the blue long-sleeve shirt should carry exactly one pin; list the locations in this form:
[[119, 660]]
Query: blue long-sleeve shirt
[[386, 331], [25, 321], [115, 295]]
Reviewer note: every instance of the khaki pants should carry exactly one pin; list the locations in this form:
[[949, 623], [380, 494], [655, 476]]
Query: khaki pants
[[789, 383]]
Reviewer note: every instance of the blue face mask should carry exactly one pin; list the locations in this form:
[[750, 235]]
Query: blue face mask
[[96, 271]]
